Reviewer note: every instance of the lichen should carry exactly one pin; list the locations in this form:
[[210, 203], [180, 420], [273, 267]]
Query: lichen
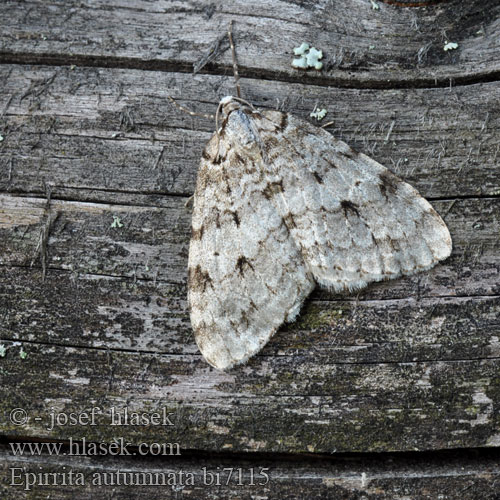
[[116, 222], [319, 114], [315, 316], [309, 57], [450, 46]]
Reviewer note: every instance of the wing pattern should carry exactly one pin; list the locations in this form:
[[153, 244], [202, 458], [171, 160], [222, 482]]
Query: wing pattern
[[281, 205]]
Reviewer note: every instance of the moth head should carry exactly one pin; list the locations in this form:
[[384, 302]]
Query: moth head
[[229, 104]]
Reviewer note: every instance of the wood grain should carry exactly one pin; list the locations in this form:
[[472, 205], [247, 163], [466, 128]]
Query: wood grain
[[282, 403], [385, 47], [102, 134], [359, 397], [418, 476], [150, 243]]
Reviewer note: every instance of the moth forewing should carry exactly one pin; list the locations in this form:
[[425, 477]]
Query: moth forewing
[[281, 206]]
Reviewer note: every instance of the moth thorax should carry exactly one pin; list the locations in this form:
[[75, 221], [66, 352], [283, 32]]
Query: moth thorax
[[241, 129]]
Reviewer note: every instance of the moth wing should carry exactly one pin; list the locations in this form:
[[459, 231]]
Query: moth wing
[[354, 220], [246, 273]]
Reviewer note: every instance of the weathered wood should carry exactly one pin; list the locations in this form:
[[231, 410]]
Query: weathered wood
[[332, 344], [85, 131], [362, 46], [94, 265], [284, 403], [92, 281], [151, 243], [143, 316], [447, 476]]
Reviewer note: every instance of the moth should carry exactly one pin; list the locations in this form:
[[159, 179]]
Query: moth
[[281, 206]]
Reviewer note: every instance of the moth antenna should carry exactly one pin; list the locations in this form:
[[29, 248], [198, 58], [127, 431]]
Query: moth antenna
[[243, 101], [188, 111], [189, 201], [217, 114], [235, 66]]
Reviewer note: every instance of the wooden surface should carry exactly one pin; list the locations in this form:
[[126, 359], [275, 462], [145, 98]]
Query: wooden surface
[[95, 168]]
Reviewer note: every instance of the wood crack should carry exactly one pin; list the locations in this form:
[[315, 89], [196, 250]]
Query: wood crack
[[347, 82]]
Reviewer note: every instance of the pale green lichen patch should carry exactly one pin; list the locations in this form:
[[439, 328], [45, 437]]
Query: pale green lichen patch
[[450, 46], [3, 350], [300, 51], [318, 113], [23, 354], [315, 316], [116, 222], [309, 57]]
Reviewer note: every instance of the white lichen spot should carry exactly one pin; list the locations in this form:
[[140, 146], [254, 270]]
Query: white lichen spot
[[371, 47], [300, 63], [116, 222], [363, 479], [1, 137], [3, 350], [318, 114], [300, 51], [450, 46], [309, 57], [23, 354], [313, 58], [375, 5]]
